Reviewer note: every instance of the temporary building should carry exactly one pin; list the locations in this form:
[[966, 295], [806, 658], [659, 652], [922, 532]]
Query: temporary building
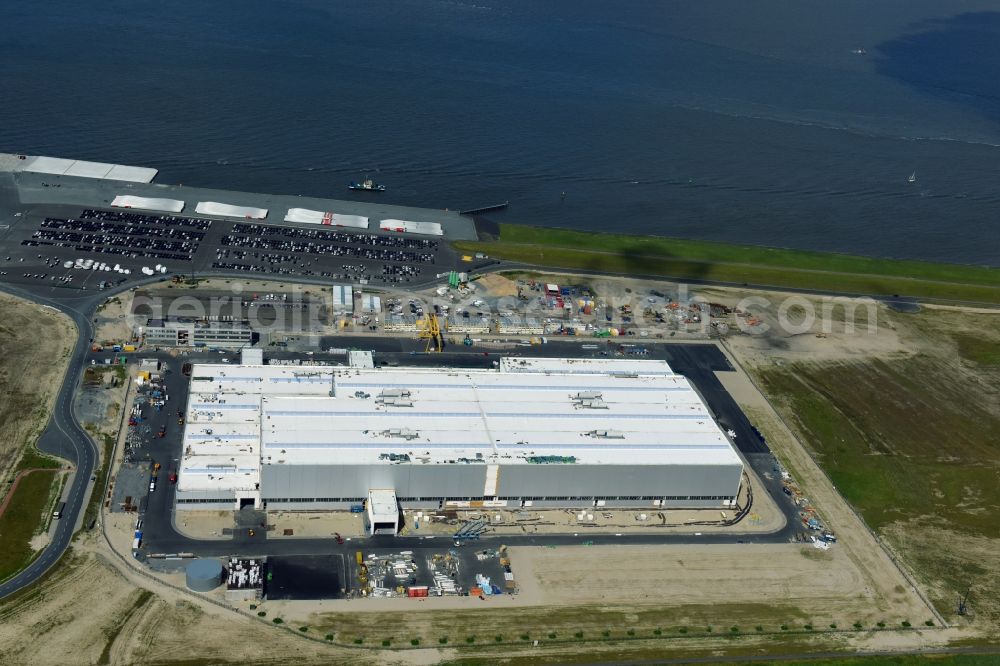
[[329, 218], [410, 227], [227, 210], [83, 169], [147, 203]]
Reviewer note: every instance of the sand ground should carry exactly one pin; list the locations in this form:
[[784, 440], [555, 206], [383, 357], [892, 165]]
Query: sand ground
[[37, 342], [112, 325]]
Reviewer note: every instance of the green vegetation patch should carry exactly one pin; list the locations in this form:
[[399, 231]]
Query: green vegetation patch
[[912, 443], [900, 439], [519, 625], [977, 349], [22, 519], [35, 459], [702, 260], [106, 444]]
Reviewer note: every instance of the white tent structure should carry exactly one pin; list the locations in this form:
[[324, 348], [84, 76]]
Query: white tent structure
[[409, 227], [146, 203], [227, 210], [59, 166], [306, 216]]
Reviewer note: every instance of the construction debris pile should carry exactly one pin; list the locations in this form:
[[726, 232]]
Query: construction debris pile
[[391, 574], [451, 573], [444, 570]]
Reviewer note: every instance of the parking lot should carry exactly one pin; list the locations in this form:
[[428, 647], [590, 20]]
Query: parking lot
[[289, 251], [47, 247], [130, 235]]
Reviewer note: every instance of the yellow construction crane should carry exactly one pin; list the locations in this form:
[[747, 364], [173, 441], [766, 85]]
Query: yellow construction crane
[[429, 329]]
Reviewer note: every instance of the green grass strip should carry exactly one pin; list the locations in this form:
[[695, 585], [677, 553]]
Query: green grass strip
[[22, 519], [718, 262]]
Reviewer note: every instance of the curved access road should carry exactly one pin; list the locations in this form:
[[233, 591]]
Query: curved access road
[[63, 437]]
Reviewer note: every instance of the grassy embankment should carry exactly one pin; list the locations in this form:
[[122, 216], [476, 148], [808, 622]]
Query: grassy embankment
[[565, 626], [24, 515], [37, 344], [106, 443], [718, 262], [654, 655], [914, 444]]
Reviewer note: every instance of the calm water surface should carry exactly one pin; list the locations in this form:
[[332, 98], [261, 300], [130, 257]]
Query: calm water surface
[[717, 119]]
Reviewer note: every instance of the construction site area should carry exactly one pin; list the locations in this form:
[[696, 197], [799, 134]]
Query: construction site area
[[817, 570]]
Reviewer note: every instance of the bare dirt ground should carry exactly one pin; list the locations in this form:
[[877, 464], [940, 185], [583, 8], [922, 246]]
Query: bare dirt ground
[[223, 284], [764, 517], [36, 349], [92, 613], [204, 524], [497, 286], [112, 324]]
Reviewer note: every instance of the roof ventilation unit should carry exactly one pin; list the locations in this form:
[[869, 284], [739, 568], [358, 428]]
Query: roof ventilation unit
[[405, 433], [397, 402], [596, 403], [606, 434]]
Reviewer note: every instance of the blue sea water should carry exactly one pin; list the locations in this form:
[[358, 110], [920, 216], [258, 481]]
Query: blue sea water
[[716, 119]]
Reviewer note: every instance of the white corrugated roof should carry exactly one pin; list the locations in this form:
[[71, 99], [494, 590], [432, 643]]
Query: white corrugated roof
[[635, 412], [343, 297], [599, 366]]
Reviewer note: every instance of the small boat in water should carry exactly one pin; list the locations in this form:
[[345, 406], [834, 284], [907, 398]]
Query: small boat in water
[[367, 185], [912, 178]]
